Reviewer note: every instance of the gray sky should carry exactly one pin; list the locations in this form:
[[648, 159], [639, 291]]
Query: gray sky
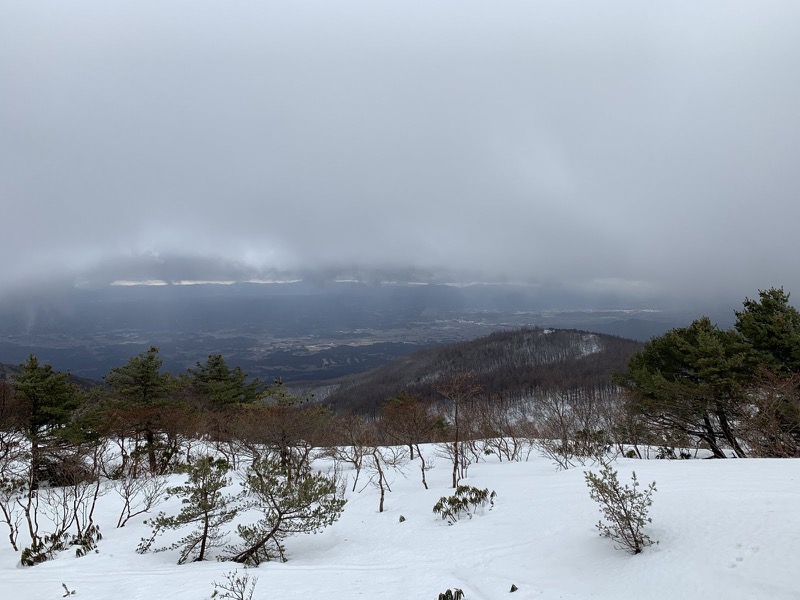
[[646, 147]]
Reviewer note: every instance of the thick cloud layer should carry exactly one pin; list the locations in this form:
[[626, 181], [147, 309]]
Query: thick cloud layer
[[645, 147]]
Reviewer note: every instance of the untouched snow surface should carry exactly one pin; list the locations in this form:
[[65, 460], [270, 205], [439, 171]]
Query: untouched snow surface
[[727, 529]]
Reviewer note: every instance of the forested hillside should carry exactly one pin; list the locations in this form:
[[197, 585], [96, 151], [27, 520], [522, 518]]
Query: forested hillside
[[511, 364]]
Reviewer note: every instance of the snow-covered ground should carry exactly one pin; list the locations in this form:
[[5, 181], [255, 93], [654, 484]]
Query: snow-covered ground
[[727, 529]]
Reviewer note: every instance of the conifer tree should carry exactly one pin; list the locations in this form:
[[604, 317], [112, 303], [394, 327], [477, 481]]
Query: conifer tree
[[204, 506], [46, 403], [772, 328], [304, 504], [690, 381], [222, 385], [139, 384]]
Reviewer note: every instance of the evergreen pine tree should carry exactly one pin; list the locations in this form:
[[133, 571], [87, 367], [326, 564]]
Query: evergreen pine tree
[[139, 384], [302, 505], [222, 385], [48, 400], [204, 506]]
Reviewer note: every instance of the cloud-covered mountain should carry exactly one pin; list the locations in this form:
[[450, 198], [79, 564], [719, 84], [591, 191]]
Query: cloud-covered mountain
[[631, 148]]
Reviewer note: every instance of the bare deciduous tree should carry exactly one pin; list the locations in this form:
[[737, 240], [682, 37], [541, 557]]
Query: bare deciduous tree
[[405, 419], [569, 429], [458, 392], [352, 436], [772, 424], [381, 462]]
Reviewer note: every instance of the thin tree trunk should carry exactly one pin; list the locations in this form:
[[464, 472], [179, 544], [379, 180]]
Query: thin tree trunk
[[711, 438], [381, 480], [247, 554], [203, 539], [36, 460], [712, 444], [422, 467], [456, 456], [455, 464], [150, 440], [728, 434]]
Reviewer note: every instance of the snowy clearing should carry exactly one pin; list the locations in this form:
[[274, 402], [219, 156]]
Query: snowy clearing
[[726, 529]]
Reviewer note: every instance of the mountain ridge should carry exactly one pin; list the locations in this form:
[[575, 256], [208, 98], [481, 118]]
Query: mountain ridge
[[509, 364]]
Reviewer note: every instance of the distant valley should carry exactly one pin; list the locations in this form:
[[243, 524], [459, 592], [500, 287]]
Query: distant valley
[[300, 332]]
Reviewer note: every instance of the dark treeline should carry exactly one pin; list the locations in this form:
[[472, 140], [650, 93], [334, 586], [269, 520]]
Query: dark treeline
[[735, 390], [509, 364]]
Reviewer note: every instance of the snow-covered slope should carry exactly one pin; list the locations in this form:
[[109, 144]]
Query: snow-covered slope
[[727, 529]]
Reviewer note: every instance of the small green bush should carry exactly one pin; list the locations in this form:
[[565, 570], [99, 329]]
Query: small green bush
[[466, 501], [624, 507]]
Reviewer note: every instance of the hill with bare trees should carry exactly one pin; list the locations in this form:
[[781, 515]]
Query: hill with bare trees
[[508, 364]]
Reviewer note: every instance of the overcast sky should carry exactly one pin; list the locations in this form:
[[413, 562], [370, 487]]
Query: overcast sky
[[650, 147]]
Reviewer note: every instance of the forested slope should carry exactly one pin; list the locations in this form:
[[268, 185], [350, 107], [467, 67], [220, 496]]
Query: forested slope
[[508, 363]]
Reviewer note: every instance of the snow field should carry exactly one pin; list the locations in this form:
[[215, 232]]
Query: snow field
[[727, 529]]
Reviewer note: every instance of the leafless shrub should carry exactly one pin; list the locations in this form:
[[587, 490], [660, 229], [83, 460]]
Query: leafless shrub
[[381, 462], [68, 509], [352, 435], [235, 587], [13, 482], [568, 426], [503, 428], [772, 426], [139, 494]]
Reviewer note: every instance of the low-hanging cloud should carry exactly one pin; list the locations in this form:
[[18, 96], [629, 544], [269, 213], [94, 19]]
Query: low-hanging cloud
[[640, 145]]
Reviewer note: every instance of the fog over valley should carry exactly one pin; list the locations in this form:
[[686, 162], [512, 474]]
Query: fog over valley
[[365, 178], [299, 331], [640, 150]]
